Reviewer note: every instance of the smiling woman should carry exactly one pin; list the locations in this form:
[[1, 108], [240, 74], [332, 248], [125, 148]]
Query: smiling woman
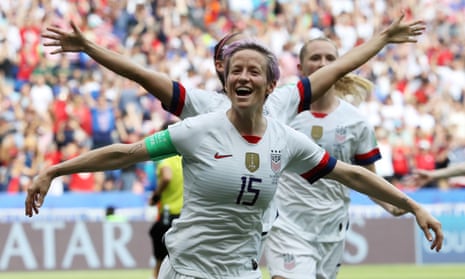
[[220, 231], [251, 73]]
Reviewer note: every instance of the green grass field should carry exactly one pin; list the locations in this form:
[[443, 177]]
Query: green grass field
[[347, 272]]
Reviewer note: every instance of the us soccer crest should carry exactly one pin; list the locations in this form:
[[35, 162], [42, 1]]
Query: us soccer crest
[[275, 160], [252, 161], [341, 134], [317, 132], [289, 261]]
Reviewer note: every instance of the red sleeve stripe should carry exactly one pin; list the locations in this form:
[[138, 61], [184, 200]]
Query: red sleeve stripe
[[368, 158], [305, 92], [178, 99], [325, 166]]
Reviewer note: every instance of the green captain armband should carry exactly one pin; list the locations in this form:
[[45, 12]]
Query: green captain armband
[[159, 146]]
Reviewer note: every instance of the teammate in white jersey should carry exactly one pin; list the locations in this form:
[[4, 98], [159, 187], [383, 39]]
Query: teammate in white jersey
[[307, 241], [231, 164]]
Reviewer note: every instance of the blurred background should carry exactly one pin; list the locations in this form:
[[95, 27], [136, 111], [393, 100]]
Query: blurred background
[[53, 107]]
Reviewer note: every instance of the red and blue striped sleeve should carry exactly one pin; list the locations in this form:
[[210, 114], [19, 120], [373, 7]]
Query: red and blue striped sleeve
[[178, 99], [367, 158], [305, 92], [325, 166]]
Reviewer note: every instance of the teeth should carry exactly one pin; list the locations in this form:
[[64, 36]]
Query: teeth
[[243, 90]]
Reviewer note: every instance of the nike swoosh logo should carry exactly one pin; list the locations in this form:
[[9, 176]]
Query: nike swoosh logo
[[218, 156]]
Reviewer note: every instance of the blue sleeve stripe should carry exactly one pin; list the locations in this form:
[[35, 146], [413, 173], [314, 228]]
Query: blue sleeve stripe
[[305, 91]]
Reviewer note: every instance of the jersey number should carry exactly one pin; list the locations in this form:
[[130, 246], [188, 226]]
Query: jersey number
[[249, 181]]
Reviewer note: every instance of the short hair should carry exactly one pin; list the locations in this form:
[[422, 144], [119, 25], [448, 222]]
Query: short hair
[[272, 70]]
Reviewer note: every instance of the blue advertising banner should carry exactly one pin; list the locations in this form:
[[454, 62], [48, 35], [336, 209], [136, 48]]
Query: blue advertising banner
[[453, 250]]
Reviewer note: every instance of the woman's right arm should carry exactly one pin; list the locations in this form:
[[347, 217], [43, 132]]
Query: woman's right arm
[[114, 156], [157, 84]]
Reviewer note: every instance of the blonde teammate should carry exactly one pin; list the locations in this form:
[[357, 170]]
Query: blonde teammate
[[307, 240]]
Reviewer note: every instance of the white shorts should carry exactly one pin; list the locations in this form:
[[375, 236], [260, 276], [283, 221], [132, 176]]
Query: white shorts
[[167, 272], [287, 255]]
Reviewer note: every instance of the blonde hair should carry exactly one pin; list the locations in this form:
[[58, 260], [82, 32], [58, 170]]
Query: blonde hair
[[353, 88]]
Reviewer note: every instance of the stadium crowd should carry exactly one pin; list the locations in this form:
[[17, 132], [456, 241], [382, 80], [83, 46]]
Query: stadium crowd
[[54, 107]]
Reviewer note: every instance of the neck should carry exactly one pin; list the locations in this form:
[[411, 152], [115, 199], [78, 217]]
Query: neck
[[248, 123], [326, 103]]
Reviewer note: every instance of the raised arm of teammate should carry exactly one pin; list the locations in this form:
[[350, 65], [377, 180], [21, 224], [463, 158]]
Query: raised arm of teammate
[[397, 32]]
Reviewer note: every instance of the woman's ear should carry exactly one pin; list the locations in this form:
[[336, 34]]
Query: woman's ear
[[271, 86], [219, 65]]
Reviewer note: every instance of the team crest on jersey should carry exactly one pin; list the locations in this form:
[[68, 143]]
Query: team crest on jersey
[[341, 134], [289, 261], [252, 161], [317, 132], [275, 160]]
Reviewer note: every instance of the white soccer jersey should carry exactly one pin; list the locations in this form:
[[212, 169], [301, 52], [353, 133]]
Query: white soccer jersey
[[283, 104], [319, 211], [229, 184]]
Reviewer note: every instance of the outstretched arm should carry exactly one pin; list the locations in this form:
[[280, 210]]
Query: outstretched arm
[[422, 177], [364, 181], [393, 210], [110, 157], [322, 79], [157, 84]]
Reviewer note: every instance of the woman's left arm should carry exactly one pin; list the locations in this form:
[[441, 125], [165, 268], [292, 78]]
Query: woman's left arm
[[364, 181]]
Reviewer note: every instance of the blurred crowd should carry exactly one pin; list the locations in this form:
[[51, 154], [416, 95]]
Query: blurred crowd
[[54, 107]]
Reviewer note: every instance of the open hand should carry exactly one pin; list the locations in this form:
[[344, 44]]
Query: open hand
[[64, 41], [398, 32]]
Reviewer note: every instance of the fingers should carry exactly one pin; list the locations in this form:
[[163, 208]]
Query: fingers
[[33, 202], [439, 237], [52, 43], [30, 205], [56, 30], [422, 23], [402, 16], [436, 242], [51, 36], [427, 233], [56, 51], [27, 206], [75, 28], [40, 198]]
